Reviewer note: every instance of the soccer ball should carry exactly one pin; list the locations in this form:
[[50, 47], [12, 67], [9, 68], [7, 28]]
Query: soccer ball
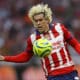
[[42, 47]]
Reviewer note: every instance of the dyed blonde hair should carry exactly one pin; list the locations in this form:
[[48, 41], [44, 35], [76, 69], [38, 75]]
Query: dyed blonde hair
[[40, 8]]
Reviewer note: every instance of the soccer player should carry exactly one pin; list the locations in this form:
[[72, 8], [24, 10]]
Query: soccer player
[[58, 65]]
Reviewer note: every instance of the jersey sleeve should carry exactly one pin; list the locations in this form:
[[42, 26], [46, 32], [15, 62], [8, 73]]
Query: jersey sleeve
[[70, 39], [23, 56]]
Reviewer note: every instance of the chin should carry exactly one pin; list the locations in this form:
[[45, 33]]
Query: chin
[[41, 31]]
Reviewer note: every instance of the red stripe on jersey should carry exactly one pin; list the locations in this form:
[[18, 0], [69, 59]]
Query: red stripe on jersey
[[55, 59], [47, 63], [55, 32], [63, 56]]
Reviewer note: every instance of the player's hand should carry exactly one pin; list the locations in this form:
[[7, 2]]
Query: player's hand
[[1, 58]]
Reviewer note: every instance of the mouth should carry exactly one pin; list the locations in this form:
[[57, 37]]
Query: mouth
[[39, 28]]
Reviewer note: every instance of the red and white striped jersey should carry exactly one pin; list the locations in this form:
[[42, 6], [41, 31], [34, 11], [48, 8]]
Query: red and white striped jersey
[[59, 60]]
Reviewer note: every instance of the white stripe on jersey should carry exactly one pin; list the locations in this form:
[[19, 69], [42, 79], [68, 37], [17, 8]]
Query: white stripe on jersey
[[33, 37]]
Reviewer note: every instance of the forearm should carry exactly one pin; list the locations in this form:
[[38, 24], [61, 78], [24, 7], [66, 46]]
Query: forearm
[[75, 44], [22, 57]]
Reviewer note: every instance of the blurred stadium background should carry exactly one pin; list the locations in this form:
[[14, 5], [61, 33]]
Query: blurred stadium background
[[15, 27]]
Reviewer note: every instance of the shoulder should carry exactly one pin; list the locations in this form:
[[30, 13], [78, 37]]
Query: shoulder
[[32, 37], [57, 25]]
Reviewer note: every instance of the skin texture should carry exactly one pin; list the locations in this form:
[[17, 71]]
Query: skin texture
[[41, 24]]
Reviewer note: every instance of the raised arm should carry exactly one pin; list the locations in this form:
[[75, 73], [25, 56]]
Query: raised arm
[[70, 39]]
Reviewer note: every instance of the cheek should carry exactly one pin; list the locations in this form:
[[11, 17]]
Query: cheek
[[44, 23], [35, 24]]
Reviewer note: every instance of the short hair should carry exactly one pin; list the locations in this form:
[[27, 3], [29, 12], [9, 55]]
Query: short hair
[[40, 8]]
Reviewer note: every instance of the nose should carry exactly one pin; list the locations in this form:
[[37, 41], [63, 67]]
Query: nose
[[38, 22]]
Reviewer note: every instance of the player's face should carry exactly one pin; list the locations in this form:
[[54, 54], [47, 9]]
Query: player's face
[[41, 24]]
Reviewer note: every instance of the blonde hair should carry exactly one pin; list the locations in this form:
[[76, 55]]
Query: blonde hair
[[40, 8]]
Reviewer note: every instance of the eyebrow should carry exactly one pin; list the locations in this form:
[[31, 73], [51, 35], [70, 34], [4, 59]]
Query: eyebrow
[[39, 13], [38, 20]]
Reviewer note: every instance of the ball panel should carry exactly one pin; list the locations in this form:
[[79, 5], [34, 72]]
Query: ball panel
[[45, 53]]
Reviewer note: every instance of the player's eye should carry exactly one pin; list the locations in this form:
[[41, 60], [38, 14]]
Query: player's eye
[[38, 20]]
